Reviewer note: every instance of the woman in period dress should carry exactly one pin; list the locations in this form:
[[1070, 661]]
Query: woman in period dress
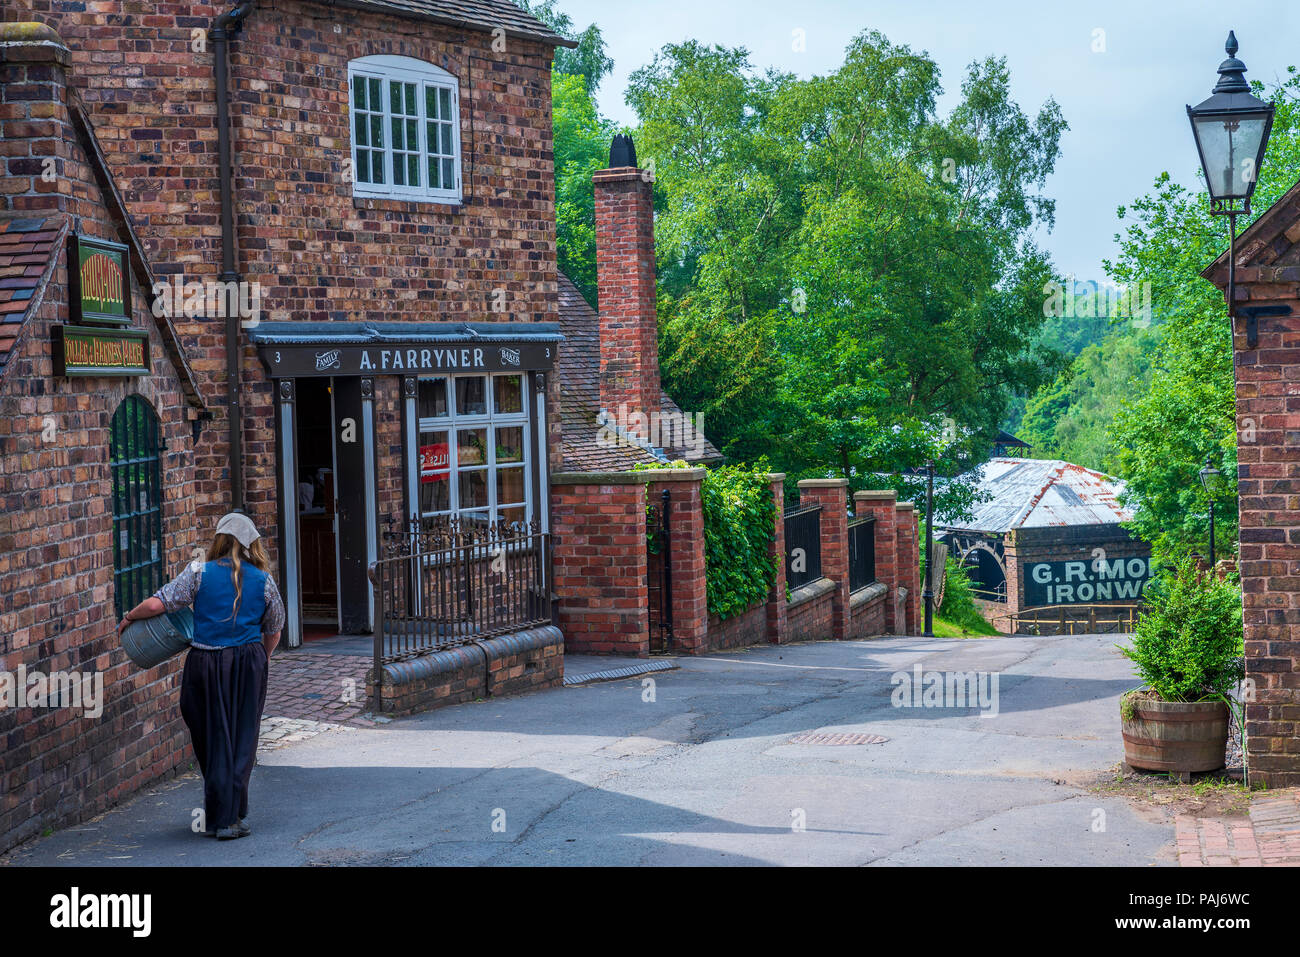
[[238, 615]]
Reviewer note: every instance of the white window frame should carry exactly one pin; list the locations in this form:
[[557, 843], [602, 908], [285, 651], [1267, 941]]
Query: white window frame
[[388, 69], [454, 420]]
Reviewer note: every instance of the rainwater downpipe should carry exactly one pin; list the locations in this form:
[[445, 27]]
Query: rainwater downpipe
[[223, 29]]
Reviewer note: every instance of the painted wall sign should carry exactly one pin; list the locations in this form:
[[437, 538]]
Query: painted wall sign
[[99, 281], [296, 361], [86, 351], [1085, 581]]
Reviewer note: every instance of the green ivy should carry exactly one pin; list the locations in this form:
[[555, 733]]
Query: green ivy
[[739, 528]]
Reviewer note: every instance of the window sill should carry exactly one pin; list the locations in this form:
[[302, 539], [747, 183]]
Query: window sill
[[394, 204]]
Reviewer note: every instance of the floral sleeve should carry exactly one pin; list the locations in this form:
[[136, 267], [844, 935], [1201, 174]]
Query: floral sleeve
[[180, 591], [273, 617]]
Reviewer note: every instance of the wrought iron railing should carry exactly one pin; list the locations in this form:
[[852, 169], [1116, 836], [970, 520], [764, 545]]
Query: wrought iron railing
[[803, 545], [445, 582], [862, 553]]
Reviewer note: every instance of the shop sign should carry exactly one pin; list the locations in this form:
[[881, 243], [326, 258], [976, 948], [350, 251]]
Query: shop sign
[[86, 351], [99, 281], [295, 361]]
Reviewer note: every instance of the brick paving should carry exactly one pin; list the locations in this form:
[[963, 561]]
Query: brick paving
[[1268, 837], [318, 687]]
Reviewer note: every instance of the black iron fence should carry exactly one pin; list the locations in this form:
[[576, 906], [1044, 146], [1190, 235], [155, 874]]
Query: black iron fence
[[444, 582], [862, 553], [803, 545], [659, 570]]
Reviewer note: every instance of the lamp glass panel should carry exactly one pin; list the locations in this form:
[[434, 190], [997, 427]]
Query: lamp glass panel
[[1230, 148]]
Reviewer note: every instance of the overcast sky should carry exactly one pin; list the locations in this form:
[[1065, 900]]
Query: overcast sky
[[1125, 105]]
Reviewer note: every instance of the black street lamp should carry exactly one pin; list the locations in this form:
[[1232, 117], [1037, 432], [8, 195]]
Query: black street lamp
[[1210, 478], [928, 592], [1231, 130]]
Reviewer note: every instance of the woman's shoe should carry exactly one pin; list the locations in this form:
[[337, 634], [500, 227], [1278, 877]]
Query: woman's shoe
[[243, 828]]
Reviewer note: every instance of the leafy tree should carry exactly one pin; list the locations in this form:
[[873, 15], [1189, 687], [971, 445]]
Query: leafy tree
[[582, 140], [588, 60]]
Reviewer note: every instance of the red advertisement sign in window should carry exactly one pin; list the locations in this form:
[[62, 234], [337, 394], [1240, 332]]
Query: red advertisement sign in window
[[433, 462]]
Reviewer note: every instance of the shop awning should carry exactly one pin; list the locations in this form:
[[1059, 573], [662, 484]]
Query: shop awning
[[298, 349]]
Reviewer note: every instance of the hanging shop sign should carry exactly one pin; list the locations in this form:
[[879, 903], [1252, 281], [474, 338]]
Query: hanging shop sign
[[87, 351], [99, 281], [433, 463], [1086, 581]]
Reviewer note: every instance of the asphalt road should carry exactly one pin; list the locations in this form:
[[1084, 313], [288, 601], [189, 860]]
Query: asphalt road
[[697, 768]]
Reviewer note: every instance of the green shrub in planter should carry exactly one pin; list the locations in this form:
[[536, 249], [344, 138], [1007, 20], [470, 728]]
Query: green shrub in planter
[[1187, 645]]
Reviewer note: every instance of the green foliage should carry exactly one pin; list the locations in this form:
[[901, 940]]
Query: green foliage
[[1189, 638], [1164, 433], [959, 605], [844, 274], [588, 60], [1071, 418], [582, 140], [739, 528]]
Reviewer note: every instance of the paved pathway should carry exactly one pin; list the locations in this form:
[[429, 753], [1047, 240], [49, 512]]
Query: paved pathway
[[1268, 837], [698, 765]]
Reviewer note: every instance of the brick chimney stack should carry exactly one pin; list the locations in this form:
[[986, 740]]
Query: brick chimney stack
[[34, 121], [625, 278]]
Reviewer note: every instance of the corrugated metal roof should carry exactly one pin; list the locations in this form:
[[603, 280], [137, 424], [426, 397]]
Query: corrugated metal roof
[[1034, 493]]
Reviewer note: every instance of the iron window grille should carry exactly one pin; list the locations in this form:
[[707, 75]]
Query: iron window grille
[[135, 459]]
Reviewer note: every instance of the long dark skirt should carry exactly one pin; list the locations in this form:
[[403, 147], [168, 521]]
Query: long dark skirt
[[222, 696]]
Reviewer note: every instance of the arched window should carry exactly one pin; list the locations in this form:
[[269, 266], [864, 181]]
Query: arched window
[[135, 456], [405, 129]]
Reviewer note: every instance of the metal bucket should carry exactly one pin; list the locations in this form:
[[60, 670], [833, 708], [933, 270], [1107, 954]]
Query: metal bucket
[[151, 641]]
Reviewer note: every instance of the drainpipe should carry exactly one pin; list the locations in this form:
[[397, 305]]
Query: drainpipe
[[223, 29]]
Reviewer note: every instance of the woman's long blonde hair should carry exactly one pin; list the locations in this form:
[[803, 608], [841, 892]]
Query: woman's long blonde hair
[[227, 546]]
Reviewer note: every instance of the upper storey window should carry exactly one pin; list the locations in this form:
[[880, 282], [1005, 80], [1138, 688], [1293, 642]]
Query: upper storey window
[[405, 129]]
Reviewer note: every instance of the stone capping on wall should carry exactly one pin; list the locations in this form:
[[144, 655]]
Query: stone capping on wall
[[864, 595], [627, 478], [814, 589]]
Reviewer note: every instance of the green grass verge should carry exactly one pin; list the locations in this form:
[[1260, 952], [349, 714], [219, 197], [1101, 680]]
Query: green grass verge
[[951, 629]]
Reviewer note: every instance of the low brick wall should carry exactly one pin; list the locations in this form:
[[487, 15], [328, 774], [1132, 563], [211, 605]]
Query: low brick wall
[[747, 628], [810, 614], [525, 661], [867, 611]]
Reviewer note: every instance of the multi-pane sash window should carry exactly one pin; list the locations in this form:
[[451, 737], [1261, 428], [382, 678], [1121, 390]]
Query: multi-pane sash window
[[135, 461], [405, 129], [474, 449]]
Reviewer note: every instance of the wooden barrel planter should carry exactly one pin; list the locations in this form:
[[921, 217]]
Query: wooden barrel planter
[[1180, 736]]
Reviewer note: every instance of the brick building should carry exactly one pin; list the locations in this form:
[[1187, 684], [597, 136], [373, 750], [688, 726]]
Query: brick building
[[1049, 535], [1266, 343], [336, 220]]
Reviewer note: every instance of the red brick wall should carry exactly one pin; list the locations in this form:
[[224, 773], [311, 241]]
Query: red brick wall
[[600, 566], [883, 507], [317, 252], [832, 496], [907, 573], [738, 631], [625, 272], [690, 593], [56, 561], [811, 620], [867, 617]]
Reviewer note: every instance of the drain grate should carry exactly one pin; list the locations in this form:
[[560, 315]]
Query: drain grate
[[818, 737]]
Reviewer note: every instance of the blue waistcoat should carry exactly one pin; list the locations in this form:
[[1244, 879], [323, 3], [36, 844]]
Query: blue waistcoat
[[213, 623]]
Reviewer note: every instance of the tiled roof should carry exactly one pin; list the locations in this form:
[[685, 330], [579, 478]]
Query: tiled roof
[[577, 370], [485, 15], [29, 249]]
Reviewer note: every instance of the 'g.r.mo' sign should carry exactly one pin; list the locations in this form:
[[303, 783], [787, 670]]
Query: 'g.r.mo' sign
[[1086, 581]]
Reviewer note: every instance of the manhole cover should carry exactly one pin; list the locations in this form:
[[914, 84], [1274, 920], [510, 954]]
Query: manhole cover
[[816, 737]]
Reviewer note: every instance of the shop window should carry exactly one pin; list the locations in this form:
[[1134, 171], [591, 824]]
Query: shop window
[[135, 459], [405, 122], [474, 449]]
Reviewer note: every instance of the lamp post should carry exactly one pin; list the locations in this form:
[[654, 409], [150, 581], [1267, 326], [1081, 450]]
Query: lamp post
[[1210, 482], [1231, 129], [927, 593]]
